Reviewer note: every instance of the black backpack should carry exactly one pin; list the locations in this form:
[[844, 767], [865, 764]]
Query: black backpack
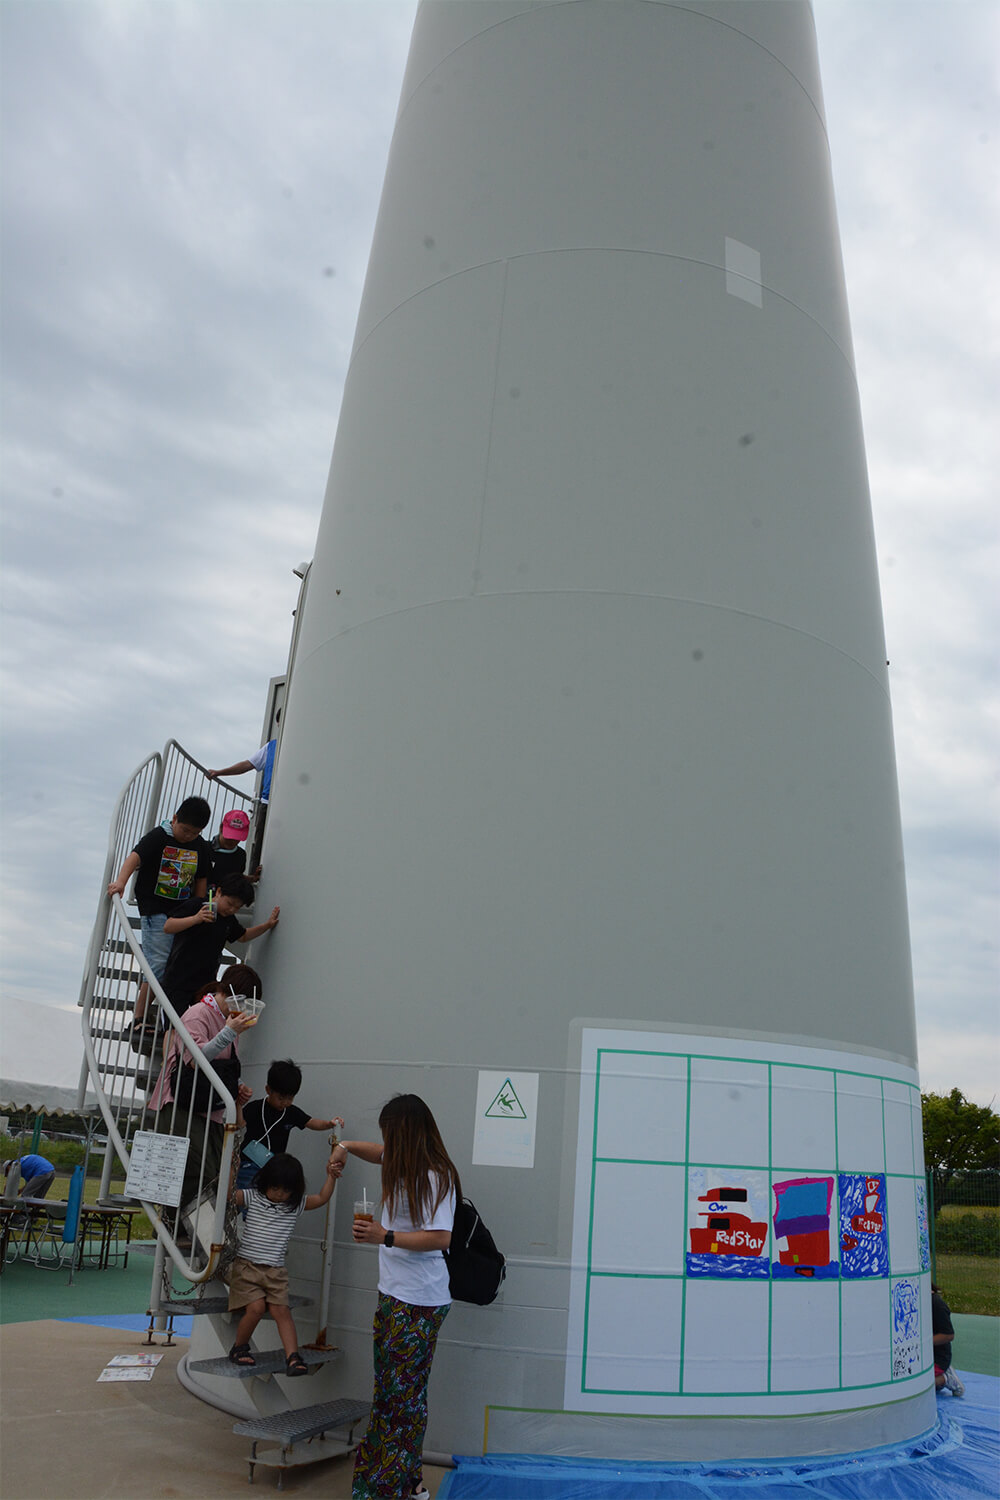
[[190, 1083], [476, 1268]]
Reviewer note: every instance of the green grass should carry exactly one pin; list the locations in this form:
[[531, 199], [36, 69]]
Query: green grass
[[981, 1210], [970, 1283]]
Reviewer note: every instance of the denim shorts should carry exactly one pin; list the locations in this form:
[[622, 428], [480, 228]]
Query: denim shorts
[[156, 943]]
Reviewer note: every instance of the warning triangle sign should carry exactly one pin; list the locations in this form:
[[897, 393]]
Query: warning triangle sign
[[506, 1105]]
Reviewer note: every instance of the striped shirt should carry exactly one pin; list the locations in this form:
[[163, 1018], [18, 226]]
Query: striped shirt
[[268, 1228]]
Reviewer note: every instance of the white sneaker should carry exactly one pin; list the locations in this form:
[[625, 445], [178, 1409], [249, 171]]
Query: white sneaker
[[952, 1383], [421, 1492]]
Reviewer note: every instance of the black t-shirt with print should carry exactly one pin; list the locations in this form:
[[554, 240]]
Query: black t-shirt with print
[[168, 870]]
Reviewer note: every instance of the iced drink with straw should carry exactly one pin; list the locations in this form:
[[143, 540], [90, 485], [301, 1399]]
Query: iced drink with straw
[[247, 1005]]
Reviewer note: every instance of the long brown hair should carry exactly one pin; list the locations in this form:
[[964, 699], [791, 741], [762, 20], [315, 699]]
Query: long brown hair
[[412, 1150]]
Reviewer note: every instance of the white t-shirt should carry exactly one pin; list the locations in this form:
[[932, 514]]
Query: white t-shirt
[[419, 1277]]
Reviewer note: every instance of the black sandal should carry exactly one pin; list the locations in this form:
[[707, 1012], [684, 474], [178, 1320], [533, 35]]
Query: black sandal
[[296, 1365], [241, 1354]]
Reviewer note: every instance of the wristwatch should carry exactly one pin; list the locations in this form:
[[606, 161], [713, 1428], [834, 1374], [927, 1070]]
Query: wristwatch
[[390, 1238]]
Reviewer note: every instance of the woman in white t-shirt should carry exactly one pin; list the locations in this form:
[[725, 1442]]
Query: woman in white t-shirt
[[420, 1187]]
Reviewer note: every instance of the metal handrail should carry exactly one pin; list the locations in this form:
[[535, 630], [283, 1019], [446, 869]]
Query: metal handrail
[[115, 961], [111, 862], [191, 1052]]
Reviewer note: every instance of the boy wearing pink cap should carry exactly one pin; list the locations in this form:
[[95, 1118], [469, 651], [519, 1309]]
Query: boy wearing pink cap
[[224, 851]]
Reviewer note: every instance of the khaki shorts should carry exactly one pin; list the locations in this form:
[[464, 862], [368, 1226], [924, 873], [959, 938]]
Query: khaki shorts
[[250, 1281]]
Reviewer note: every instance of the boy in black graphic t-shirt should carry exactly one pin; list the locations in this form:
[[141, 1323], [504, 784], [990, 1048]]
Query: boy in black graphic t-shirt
[[172, 867]]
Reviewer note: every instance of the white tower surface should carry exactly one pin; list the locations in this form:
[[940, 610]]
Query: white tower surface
[[585, 797]]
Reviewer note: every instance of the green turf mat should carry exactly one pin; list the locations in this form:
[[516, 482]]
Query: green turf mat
[[977, 1344], [29, 1292]]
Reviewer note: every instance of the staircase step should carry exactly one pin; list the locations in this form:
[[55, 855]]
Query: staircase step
[[110, 1002], [103, 972], [271, 1362], [124, 1070], [308, 1421], [202, 1305], [109, 1034]]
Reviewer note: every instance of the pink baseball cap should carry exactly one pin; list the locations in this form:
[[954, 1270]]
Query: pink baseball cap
[[235, 825]]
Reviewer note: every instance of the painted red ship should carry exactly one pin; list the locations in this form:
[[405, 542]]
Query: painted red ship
[[728, 1232]]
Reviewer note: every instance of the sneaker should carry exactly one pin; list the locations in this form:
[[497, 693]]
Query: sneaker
[[952, 1383], [421, 1492]]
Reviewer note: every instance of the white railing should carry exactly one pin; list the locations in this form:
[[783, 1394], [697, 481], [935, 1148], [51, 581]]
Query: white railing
[[122, 1079]]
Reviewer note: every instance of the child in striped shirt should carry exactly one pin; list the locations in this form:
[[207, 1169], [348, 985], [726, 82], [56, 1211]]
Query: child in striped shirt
[[259, 1280]]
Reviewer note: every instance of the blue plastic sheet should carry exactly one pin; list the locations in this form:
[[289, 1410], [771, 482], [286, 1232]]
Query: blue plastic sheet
[[959, 1460]]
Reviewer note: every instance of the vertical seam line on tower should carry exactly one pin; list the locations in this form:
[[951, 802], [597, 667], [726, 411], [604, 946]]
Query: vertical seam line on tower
[[474, 581]]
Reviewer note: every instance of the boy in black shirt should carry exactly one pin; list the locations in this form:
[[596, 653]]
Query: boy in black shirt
[[225, 852], [270, 1121], [201, 930], [943, 1333], [173, 867]]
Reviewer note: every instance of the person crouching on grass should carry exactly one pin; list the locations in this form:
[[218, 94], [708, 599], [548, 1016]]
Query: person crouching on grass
[[259, 1280]]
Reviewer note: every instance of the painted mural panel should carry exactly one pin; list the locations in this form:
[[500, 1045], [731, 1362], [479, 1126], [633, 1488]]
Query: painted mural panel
[[905, 1328], [802, 1229], [864, 1243], [727, 1223], [923, 1234]]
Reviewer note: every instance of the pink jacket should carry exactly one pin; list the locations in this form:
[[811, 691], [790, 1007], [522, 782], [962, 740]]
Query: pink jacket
[[204, 1022]]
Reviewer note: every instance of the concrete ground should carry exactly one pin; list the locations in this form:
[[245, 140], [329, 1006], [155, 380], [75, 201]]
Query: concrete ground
[[65, 1436]]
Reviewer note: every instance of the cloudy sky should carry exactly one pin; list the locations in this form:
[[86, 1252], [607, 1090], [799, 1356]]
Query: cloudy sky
[[188, 196]]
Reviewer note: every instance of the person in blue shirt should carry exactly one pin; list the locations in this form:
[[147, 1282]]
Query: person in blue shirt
[[37, 1173], [261, 760]]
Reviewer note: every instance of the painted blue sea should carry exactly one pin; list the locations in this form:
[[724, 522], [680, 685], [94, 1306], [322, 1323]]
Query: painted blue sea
[[729, 1267]]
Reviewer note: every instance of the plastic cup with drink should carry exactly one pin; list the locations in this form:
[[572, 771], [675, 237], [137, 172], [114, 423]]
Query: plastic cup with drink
[[247, 1005]]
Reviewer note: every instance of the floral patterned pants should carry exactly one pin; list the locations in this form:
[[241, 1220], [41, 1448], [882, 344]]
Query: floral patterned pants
[[387, 1464]]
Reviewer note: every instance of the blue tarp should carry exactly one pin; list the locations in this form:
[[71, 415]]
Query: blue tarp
[[960, 1460]]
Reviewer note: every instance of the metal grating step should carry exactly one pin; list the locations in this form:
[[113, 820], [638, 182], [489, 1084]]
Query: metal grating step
[[199, 1306], [110, 1002], [270, 1362], [307, 1422], [141, 1075]]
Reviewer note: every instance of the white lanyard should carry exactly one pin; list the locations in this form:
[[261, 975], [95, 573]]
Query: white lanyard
[[267, 1133]]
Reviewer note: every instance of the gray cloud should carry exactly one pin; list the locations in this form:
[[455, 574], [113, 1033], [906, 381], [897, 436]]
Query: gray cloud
[[189, 192]]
